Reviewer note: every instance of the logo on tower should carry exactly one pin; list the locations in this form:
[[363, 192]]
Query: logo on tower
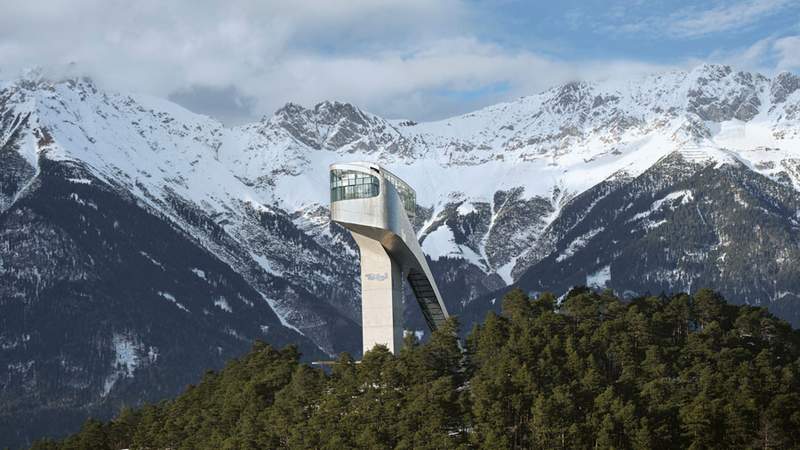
[[377, 276]]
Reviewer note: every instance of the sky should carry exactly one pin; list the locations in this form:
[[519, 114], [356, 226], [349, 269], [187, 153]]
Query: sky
[[240, 60]]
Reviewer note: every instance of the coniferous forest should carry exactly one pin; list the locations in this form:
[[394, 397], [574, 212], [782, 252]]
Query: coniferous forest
[[589, 372]]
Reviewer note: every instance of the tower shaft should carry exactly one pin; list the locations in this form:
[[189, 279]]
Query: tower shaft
[[381, 296]]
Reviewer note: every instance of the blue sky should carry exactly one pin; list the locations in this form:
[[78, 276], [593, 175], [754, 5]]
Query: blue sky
[[419, 59], [656, 31]]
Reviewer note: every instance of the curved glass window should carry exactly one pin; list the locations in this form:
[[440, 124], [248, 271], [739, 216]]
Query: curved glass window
[[350, 184], [407, 194]]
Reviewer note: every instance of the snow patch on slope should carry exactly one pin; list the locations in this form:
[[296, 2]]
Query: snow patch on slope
[[172, 299], [125, 361], [577, 244], [280, 312], [685, 196], [441, 243], [600, 278], [222, 304]]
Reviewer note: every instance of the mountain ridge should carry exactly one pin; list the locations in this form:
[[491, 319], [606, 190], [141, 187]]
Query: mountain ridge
[[507, 196], [280, 161]]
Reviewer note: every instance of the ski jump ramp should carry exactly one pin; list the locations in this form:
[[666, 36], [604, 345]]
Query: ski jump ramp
[[376, 207]]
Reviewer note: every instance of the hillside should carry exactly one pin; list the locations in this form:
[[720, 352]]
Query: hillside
[[141, 243], [677, 372]]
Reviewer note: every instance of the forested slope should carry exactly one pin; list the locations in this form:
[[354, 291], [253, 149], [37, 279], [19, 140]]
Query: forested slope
[[592, 372]]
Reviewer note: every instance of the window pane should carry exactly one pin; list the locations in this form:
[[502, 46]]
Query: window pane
[[348, 184]]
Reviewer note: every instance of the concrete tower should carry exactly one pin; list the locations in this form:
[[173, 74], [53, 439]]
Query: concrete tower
[[376, 206]]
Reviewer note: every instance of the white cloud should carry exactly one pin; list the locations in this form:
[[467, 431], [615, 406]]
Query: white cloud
[[754, 57], [163, 46], [788, 50], [728, 16], [690, 22], [410, 84], [394, 57], [768, 55], [399, 58]]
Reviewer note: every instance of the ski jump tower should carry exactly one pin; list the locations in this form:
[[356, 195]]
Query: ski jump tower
[[375, 206]]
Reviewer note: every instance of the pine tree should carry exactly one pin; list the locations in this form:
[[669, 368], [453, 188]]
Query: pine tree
[[656, 372]]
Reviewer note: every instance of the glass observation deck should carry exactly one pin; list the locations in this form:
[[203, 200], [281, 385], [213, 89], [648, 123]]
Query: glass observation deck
[[351, 184], [407, 194], [354, 184]]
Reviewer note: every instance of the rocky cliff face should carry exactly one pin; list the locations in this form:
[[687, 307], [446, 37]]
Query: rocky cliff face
[[679, 226], [105, 302], [141, 243]]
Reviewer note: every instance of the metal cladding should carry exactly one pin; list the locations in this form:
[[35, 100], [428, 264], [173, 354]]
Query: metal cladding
[[375, 205]]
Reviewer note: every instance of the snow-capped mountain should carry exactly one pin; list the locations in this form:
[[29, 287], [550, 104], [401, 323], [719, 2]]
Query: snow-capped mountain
[[140, 242], [551, 147]]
